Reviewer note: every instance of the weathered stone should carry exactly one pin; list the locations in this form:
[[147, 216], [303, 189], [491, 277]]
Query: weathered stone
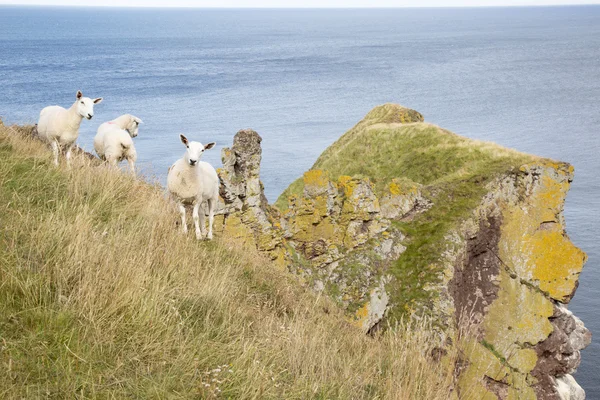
[[402, 199], [502, 288], [244, 203], [568, 389], [559, 354]]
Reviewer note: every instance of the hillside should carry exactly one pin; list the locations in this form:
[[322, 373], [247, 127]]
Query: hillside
[[101, 297]]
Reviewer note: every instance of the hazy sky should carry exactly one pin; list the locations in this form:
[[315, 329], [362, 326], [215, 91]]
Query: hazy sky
[[300, 3]]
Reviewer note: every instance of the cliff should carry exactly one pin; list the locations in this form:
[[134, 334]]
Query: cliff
[[402, 218]]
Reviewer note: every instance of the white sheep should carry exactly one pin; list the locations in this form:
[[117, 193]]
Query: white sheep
[[191, 182], [60, 127], [113, 140]]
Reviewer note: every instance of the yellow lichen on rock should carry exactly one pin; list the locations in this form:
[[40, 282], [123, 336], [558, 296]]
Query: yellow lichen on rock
[[556, 269], [395, 188], [234, 228], [519, 315], [345, 182], [480, 362], [361, 316], [315, 177], [534, 244]]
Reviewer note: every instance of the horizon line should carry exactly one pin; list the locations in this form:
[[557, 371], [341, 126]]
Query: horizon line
[[295, 7]]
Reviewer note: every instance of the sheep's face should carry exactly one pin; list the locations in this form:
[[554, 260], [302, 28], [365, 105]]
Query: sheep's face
[[194, 150], [85, 105], [133, 126]]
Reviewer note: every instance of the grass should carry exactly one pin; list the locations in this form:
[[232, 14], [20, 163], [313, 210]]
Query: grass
[[100, 297], [453, 170]]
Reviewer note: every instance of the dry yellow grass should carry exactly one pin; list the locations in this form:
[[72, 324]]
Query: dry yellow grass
[[101, 297]]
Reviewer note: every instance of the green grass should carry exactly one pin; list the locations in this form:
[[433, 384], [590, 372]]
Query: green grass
[[452, 170], [101, 297]]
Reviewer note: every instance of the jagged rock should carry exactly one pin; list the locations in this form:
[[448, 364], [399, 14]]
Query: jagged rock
[[402, 199], [568, 389], [559, 356], [246, 213]]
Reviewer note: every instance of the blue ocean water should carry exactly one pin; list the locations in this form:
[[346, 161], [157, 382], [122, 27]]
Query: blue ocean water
[[527, 78]]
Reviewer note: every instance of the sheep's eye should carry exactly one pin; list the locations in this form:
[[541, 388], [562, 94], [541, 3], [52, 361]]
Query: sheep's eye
[[82, 102], [136, 123]]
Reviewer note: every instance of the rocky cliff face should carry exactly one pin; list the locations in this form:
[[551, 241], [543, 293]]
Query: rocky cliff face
[[400, 217], [513, 274]]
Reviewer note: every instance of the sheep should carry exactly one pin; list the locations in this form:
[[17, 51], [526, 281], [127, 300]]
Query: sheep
[[113, 140], [191, 182], [60, 127]]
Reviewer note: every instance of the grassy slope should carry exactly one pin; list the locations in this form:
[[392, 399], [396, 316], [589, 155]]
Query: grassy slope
[[453, 170], [101, 298]]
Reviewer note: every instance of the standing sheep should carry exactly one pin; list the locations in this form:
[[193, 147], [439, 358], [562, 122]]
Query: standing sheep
[[113, 140], [191, 182], [60, 127]]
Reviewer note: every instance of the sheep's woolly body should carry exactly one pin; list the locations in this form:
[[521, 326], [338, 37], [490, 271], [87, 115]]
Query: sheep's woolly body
[[113, 141], [193, 184], [118, 146], [59, 125]]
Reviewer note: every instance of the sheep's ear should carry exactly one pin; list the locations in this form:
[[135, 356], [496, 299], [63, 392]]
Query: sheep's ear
[[79, 94], [139, 121], [209, 146], [183, 140], [98, 100]]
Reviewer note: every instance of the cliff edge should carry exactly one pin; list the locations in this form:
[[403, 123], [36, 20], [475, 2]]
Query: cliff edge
[[401, 218]]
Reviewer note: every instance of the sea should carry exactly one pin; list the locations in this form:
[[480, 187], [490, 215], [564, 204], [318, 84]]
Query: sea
[[526, 78]]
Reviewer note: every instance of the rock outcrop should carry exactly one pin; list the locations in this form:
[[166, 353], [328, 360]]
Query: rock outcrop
[[519, 269], [246, 213], [400, 217]]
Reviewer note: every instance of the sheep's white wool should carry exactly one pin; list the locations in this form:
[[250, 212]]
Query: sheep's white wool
[[193, 182], [60, 127], [113, 141]]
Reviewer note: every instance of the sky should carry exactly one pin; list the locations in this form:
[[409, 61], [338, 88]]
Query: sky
[[299, 3]]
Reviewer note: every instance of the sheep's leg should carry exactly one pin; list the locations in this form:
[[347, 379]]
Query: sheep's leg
[[55, 151], [68, 156], [131, 167], [211, 217], [198, 221], [182, 212], [202, 221]]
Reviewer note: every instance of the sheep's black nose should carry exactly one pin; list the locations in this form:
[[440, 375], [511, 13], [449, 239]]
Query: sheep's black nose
[[193, 162], [90, 116]]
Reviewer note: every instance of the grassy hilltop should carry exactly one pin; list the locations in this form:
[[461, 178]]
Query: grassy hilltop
[[398, 152], [101, 297]]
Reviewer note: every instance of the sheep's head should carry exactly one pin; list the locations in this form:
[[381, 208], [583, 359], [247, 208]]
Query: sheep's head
[[194, 150], [85, 105], [133, 126]]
